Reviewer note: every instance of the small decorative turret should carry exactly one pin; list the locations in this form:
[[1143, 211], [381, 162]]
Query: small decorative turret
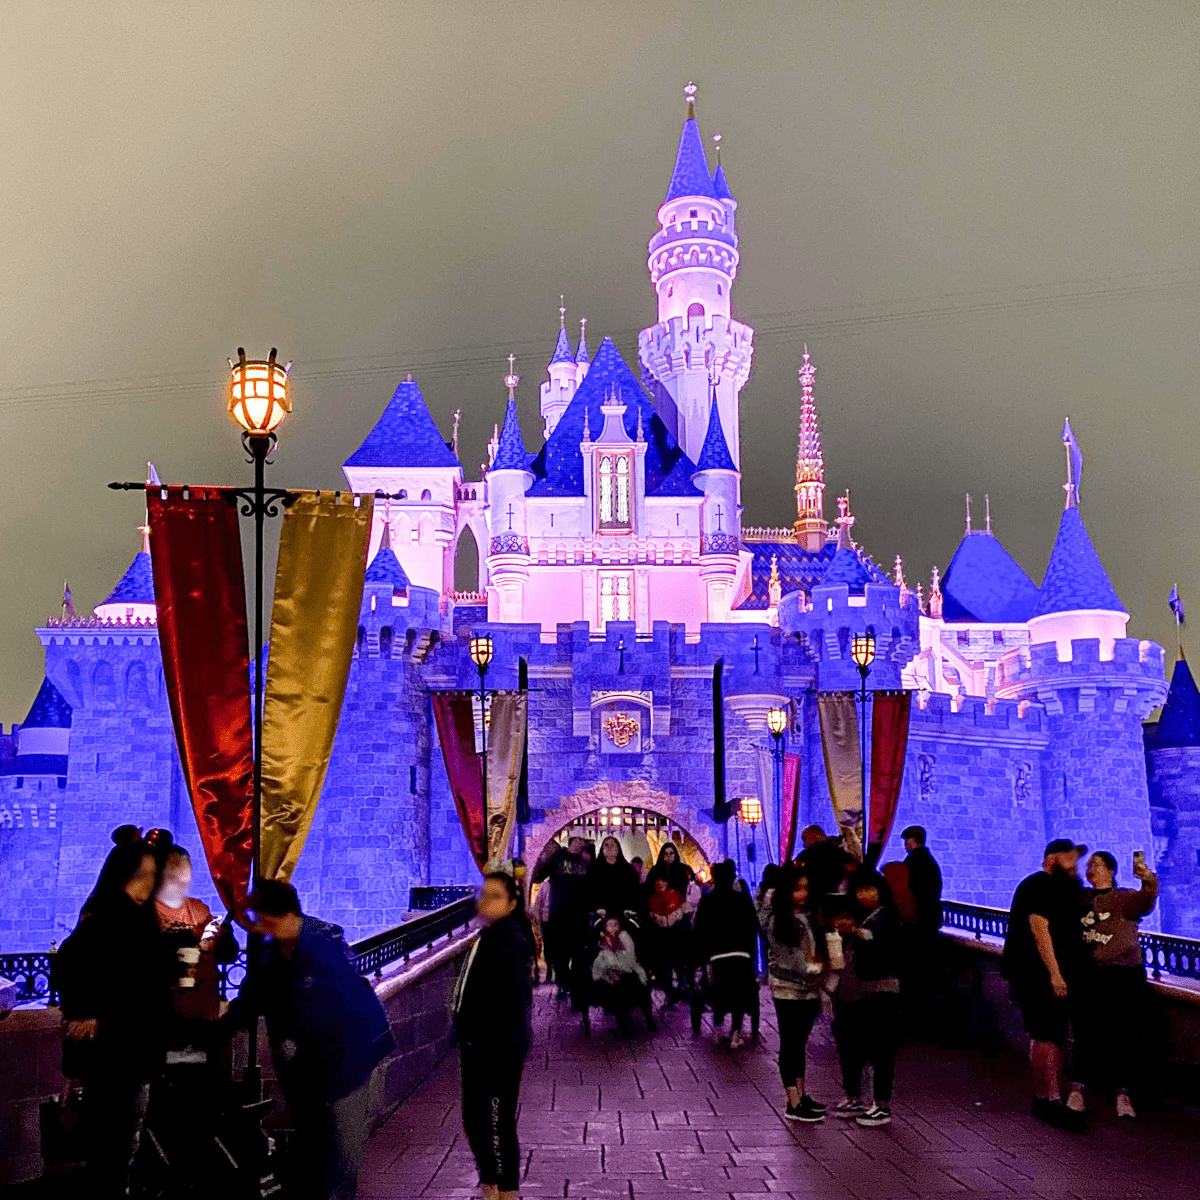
[[935, 595], [582, 361], [508, 545], [774, 584], [810, 468], [557, 391]]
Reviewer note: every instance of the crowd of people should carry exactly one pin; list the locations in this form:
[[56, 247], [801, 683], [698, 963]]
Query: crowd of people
[[147, 1034]]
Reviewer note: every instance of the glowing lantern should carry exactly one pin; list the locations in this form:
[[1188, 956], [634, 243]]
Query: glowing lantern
[[258, 393], [750, 810]]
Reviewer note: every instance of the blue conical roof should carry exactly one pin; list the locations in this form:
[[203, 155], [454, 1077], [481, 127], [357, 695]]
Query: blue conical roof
[[714, 454], [510, 449], [985, 583], [385, 568], [562, 349], [558, 466], [1075, 577], [404, 436], [847, 567], [690, 176], [136, 586], [1179, 722], [50, 709], [721, 185], [582, 354]]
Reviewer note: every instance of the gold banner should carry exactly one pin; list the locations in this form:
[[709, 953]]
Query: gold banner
[[314, 623], [843, 764], [505, 749]]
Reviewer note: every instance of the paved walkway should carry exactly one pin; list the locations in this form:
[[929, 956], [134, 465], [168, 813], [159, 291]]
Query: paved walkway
[[675, 1116]]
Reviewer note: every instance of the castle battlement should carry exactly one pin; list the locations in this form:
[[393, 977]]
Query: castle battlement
[[719, 346]]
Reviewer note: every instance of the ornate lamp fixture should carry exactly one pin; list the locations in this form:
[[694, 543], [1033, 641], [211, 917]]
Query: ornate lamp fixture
[[259, 397]]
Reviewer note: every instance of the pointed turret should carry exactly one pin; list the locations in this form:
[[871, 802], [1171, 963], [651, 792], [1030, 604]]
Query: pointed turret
[[984, 582], [133, 597], [404, 436], [510, 446], [810, 467], [690, 176], [385, 569], [721, 187], [44, 737], [1077, 600], [557, 391], [1179, 721], [714, 454], [581, 355]]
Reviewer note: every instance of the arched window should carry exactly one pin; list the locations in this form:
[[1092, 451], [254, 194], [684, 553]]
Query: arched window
[[615, 492], [616, 596], [428, 495], [695, 309]]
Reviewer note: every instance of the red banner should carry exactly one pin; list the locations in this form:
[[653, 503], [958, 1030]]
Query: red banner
[[889, 743], [791, 806], [455, 718], [200, 591]]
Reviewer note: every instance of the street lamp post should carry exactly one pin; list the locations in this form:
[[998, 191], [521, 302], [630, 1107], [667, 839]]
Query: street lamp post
[[862, 651], [482, 649], [777, 724], [750, 813]]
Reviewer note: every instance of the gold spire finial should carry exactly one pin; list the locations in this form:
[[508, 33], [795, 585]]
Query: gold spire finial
[[562, 312], [690, 93]]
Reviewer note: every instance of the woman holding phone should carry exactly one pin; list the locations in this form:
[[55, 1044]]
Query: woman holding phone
[[1110, 996]]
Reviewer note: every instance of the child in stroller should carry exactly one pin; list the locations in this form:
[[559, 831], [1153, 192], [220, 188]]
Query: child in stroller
[[617, 981]]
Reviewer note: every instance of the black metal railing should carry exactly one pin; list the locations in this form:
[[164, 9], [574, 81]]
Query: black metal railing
[[425, 899], [34, 975], [372, 954], [1164, 954]]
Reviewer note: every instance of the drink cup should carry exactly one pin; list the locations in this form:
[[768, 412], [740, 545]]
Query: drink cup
[[188, 955], [833, 942]]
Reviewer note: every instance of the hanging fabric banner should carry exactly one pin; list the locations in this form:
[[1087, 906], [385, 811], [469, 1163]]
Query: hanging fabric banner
[[455, 716], [843, 764], [314, 622], [523, 785], [505, 753], [889, 743], [791, 806], [200, 591], [721, 807], [766, 789]]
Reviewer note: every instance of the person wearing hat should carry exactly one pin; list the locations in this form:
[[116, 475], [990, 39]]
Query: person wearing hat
[[1043, 953]]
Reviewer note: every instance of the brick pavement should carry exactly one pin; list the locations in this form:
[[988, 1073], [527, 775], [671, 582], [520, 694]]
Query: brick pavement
[[656, 1118]]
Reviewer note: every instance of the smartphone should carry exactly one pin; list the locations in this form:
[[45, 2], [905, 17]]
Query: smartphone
[[1139, 858]]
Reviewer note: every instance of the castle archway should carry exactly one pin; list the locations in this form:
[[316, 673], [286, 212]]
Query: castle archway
[[584, 810]]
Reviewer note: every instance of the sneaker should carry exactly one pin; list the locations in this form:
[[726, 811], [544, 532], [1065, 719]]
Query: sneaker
[[805, 1111], [1075, 1101], [849, 1109], [737, 1041], [1125, 1106], [817, 1104], [876, 1115]]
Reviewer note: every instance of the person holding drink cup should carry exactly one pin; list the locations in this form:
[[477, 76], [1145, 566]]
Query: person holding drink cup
[[189, 926]]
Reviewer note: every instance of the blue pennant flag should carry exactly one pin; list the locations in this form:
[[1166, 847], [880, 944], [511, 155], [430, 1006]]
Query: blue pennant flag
[[1176, 605], [1076, 456]]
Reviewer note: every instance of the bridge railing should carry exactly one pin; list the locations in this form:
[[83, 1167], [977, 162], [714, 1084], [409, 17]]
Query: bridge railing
[[1163, 954], [33, 973]]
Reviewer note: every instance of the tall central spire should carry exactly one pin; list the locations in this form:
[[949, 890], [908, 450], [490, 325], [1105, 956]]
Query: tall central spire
[[810, 468]]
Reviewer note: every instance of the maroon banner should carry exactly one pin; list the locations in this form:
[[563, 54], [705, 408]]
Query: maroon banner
[[200, 591], [889, 742], [455, 718], [791, 806]]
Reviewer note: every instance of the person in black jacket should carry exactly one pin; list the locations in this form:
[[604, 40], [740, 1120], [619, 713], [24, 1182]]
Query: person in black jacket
[[612, 888], [115, 974], [726, 938], [924, 879], [491, 1007]]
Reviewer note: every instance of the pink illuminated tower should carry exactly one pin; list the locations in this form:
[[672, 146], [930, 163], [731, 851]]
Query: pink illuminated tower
[[810, 468]]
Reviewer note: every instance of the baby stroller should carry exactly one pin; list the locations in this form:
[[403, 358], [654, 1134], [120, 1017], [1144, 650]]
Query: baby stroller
[[618, 982], [703, 996]]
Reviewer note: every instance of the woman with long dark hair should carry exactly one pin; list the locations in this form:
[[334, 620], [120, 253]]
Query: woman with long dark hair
[[612, 888], [726, 938], [670, 925], [115, 975], [797, 973]]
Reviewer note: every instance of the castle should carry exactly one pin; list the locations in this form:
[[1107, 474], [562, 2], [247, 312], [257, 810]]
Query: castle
[[615, 564]]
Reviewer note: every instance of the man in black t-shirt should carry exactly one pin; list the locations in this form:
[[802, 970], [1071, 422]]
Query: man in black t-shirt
[[1042, 954]]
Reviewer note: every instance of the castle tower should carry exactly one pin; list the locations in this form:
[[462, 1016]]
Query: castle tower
[[810, 468], [508, 545], [582, 361], [406, 456], [693, 260], [717, 477], [557, 391], [1096, 686], [133, 597], [1173, 756]]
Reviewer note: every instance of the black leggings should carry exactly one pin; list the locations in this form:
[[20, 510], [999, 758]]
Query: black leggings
[[795, 1019], [868, 1031], [491, 1083], [1109, 1010]]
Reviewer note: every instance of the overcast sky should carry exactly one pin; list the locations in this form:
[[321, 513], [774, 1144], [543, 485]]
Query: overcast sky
[[981, 217]]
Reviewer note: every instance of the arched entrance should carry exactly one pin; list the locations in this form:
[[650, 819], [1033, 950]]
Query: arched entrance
[[593, 810]]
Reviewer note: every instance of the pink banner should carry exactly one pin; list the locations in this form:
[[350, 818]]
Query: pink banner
[[456, 731], [889, 743], [791, 806]]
